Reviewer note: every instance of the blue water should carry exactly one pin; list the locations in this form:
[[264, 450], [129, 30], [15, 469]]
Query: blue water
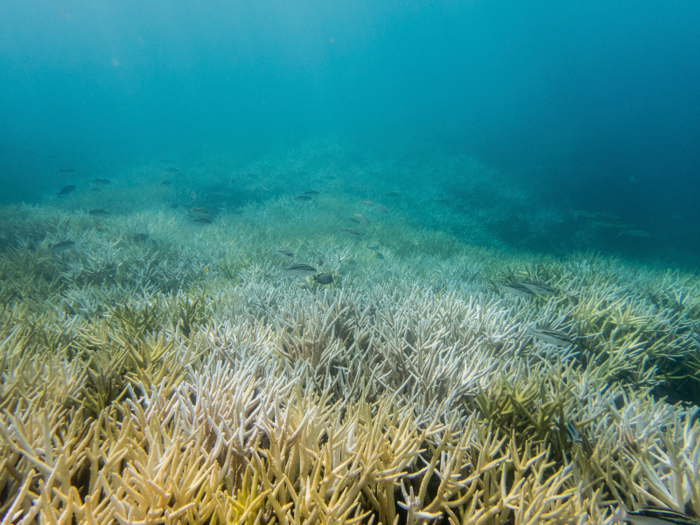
[[586, 105]]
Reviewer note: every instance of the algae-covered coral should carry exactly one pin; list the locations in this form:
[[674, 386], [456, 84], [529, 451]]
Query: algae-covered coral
[[158, 371]]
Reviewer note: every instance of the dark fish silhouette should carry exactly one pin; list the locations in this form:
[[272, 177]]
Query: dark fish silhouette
[[102, 181], [67, 189], [98, 211], [323, 278]]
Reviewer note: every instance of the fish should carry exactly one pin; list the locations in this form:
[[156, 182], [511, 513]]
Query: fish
[[199, 213], [551, 337], [373, 247], [284, 254], [102, 182], [320, 261], [98, 211], [67, 189], [300, 270], [206, 270], [61, 246], [66, 170], [653, 516], [361, 218], [517, 289], [380, 256], [350, 233], [323, 278], [394, 194], [380, 208], [539, 287], [172, 170], [367, 203], [140, 237], [201, 221], [303, 197], [166, 183]]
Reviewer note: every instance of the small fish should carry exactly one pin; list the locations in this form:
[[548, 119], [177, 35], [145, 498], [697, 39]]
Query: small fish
[[300, 270], [373, 247], [361, 218], [653, 516], [199, 213], [140, 237], [172, 170], [166, 183], [394, 194], [320, 261], [98, 211], [539, 287], [206, 270], [302, 197], [517, 289], [66, 170], [380, 256], [551, 337], [201, 221], [284, 254], [67, 189], [102, 182], [367, 203], [323, 278], [380, 209], [61, 246], [350, 233]]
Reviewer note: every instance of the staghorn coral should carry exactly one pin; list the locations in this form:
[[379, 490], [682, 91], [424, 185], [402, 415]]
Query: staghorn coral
[[136, 387]]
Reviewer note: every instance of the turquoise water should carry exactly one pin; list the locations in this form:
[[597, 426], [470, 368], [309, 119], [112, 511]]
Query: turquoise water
[[398, 263]]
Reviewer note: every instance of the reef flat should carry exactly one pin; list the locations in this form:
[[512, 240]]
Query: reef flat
[[159, 365]]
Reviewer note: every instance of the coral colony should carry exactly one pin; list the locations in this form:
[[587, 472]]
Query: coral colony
[[180, 359]]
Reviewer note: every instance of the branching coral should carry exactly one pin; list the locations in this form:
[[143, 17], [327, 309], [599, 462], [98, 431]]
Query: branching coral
[[188, 380]]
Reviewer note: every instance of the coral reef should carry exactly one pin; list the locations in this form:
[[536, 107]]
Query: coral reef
[[158, 372]]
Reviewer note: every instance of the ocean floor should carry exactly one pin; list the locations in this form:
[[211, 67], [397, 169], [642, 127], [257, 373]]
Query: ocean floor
[[168, 356]]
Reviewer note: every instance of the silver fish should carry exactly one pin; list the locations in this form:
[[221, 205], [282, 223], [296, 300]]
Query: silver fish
[[350, 233], [551, 337], [653, 516], [303, 197], [61, 246], [517, 289], [539, 287], [284, 254], [300, 270]]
